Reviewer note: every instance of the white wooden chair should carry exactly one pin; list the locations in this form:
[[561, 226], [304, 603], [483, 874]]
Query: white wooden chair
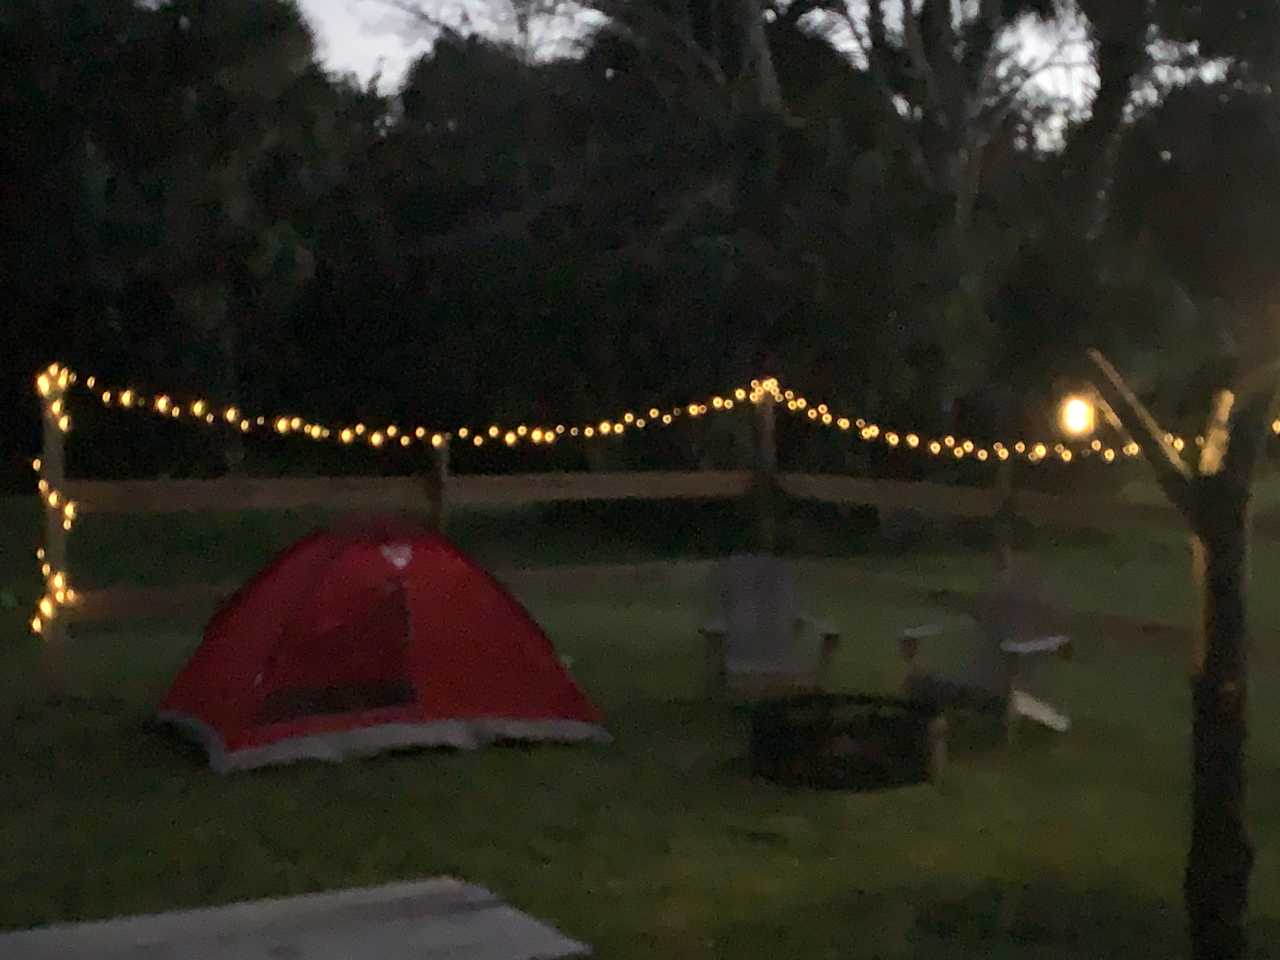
[[1003, 657], [757, 640]]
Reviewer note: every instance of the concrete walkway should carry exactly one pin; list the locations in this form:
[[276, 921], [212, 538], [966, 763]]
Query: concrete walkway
[[436, 919]]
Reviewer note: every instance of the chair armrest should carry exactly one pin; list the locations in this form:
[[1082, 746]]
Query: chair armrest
[[1039, 645], [909, 639]]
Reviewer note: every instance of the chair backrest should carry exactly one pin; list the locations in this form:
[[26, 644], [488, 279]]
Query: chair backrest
[[755, 599], [1010, 610], [1014, 607]]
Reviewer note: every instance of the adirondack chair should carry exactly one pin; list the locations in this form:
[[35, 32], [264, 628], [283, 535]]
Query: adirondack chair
[[1003, 656], [757, 640]]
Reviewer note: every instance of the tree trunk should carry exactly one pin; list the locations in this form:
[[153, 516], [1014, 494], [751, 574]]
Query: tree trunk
[[1216, 885], [1215, 501]]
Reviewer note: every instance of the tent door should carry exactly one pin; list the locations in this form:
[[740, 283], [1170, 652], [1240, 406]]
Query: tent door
[[360, 664]]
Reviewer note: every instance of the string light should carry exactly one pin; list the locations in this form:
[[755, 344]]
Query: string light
[[51, 384]]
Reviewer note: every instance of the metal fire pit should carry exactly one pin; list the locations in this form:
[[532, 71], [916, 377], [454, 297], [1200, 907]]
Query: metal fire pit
[[846, 742]]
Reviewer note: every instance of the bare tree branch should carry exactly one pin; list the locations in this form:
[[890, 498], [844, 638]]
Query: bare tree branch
[[872, 47], [1172, 473]]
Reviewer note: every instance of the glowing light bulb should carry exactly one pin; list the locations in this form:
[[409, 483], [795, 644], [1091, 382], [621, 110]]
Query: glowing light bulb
[[437, 441], [463, 433], [295, 423], [843, 423], [935, 447], [949, 440], [37, 625], [406, 440], [741, 394], [1039, 450], [245, 426], [91, 382], [126, 398], [54, 499], [347, 435], [282, 425], [826, 419], [64, 423], [46, 607], [982, 455], [43, 384], [537, 436], [231, 415], [666, 419], [420, 433], [968, 446], [478, 440], [376, 438], [913, 441], [606, 427], [509, 439], [1002, 453], [1020, 447], [589, 432], [1178, 444], [1076, 415], [36, 464], [69, 511], [56, 408], [1108, 455], [640, 423], [891, 439], [654, 413], [59, 581], [106, 398], [522, 431], [197, 408]]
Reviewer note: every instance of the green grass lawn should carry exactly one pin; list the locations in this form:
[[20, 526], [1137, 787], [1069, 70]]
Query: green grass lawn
[[660, 845]]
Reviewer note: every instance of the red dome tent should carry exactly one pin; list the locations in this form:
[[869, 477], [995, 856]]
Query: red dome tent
[[357, 642]]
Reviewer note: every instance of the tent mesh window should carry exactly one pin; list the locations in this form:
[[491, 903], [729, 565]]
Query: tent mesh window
[[375, 674]]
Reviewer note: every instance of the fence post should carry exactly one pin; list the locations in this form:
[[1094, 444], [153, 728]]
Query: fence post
[[1005, 514], [53, 469], [765, 475], [438, 481]]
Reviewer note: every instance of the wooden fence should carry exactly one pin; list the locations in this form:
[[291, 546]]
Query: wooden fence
[[437, 490]]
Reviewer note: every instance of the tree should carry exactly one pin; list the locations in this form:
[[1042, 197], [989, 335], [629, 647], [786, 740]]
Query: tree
[[1216, 148]]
